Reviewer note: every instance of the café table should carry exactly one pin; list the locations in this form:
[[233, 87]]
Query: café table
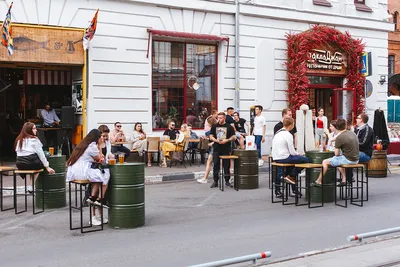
[[126, 195]]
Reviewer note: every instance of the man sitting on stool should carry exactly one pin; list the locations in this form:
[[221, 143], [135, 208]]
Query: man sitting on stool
[[365, 135], [50, 120], [346, 142], [283, 152]]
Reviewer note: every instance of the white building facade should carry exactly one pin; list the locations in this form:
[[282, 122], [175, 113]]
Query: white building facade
[[137, 75]]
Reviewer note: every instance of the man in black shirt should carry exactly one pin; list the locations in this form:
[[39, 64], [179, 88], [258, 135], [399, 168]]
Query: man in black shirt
[[171, 131], [229, 114], [222, 134], [240, 131]]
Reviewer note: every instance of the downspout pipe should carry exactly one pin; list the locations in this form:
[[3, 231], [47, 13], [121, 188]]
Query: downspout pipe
[[237, 60]]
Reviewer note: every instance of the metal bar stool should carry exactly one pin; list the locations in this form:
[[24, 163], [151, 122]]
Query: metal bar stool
[[222, 172], [30, 173], [358, 199], [82, 184], [307, 186], [269, 171], [4, 170], [285, 188]]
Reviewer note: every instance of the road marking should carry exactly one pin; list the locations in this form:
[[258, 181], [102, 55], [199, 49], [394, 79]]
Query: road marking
[[206, 200]]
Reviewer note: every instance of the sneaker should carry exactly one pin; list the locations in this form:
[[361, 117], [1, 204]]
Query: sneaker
[[95, 221], [105, 220], [260, 162], [202, 181], [214, 185], [29, 189], [91, 200], [303, 174], [278, 194], [231, 180], [289, 180], [228, 184], [100, 201]]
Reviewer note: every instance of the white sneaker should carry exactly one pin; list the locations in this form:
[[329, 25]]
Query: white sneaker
[[260, 162], [202, 181], [105, 220], [95, 221], [29, 189]]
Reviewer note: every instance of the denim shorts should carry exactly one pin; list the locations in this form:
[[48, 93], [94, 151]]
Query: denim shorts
[[336, 161]]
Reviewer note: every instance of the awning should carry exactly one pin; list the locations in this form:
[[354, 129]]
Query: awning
[[186, 36], [394, 79], [47, 77]]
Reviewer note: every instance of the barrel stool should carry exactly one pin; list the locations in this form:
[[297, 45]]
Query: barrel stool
[[222, 172], [307, 184], [4, 170], [285, 188], [346, 191], [79, 206], [29, 173]]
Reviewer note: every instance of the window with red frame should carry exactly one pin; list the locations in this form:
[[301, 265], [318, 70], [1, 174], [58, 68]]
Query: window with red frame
[[184, 83]]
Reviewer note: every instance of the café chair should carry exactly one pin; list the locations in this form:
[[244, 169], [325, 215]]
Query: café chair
[[285, 187], [153, 146], [28, 173], [5, 171], [222, 173], [307, 187], [346, 190]]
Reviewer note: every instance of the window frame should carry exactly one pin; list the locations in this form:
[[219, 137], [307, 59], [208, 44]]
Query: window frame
[[322, 3], [395, 18], [185, 43], [362, 6]]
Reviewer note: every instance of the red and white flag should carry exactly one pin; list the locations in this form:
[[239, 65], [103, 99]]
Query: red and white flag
[[90, 31]]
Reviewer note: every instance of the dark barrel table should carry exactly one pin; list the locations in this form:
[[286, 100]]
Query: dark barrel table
[[126, 195], [54, 185], [329, 178], [377, 166], [246, 168]]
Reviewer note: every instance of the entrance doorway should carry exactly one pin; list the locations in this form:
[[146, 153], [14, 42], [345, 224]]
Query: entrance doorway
[[321, 92]]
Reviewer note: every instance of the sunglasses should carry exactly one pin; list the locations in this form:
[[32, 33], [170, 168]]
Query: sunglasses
[[118, 126], [172, 124]]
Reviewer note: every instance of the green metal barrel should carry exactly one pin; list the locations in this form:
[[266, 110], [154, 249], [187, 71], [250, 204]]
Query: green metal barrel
[[54, 185], [329, 178], [126, 195], [246, 168]]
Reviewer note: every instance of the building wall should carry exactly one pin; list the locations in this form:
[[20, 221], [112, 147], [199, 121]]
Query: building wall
[[394, 40], [119, 87]]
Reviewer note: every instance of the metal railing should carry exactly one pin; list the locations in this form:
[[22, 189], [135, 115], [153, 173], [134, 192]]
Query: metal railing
[[360, 237], [252, 257]]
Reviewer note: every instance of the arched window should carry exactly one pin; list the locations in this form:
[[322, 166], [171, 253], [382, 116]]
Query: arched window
[[395, 16]]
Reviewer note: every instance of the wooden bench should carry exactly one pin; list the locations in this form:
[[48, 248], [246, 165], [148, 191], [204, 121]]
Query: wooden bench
[[82, 183], [3, 171], [222, 172], [30, 173]]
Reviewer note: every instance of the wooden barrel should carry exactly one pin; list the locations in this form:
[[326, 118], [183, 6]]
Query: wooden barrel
[[246, 168], [126, 195], [377, 166]]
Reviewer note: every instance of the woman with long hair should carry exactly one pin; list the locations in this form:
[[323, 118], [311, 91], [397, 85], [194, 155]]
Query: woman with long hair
[[86, 162], [321, 126], [139, 141], [332, 135], [30, 155]]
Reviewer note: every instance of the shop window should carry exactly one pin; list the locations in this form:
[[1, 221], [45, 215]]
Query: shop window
[[184, 83], [322, 3], [391, 59], [361, 6]]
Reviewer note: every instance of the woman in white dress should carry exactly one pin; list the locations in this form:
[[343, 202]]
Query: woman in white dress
[[86, 162], [30, 155], [139, 142]]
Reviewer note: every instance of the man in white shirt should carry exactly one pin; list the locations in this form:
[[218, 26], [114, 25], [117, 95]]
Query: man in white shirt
[[259, 130], [283, 152]]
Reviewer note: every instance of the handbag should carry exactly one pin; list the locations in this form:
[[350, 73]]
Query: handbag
[[250, 142]]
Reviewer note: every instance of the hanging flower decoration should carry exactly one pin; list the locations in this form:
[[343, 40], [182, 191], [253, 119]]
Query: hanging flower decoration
[[298, 47]]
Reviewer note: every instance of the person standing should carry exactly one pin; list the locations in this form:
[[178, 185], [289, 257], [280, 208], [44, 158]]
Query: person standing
[[210, 121], [229, 115], [50, 120], [222, 134], [118, 135], [346, 142], [30, 155], [259, 131], [321, 126]]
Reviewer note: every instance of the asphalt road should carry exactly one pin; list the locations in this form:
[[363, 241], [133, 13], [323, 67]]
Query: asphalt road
[[189, 223]]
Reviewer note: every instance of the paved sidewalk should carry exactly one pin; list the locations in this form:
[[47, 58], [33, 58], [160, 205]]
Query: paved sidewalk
[[379, 252]]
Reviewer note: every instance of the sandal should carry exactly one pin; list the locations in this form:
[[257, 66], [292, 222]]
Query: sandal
[[164, 165], [148, 164], [341, 184]]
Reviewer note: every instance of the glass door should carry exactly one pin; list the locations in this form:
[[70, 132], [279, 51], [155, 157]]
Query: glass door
[[343, 104]]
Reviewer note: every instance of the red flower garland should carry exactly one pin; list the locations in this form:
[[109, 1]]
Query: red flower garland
[[299, 46]]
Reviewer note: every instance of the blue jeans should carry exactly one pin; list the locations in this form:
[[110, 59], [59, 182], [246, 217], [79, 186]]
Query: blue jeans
[[363, 158], [257, 140], [290, 170]]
